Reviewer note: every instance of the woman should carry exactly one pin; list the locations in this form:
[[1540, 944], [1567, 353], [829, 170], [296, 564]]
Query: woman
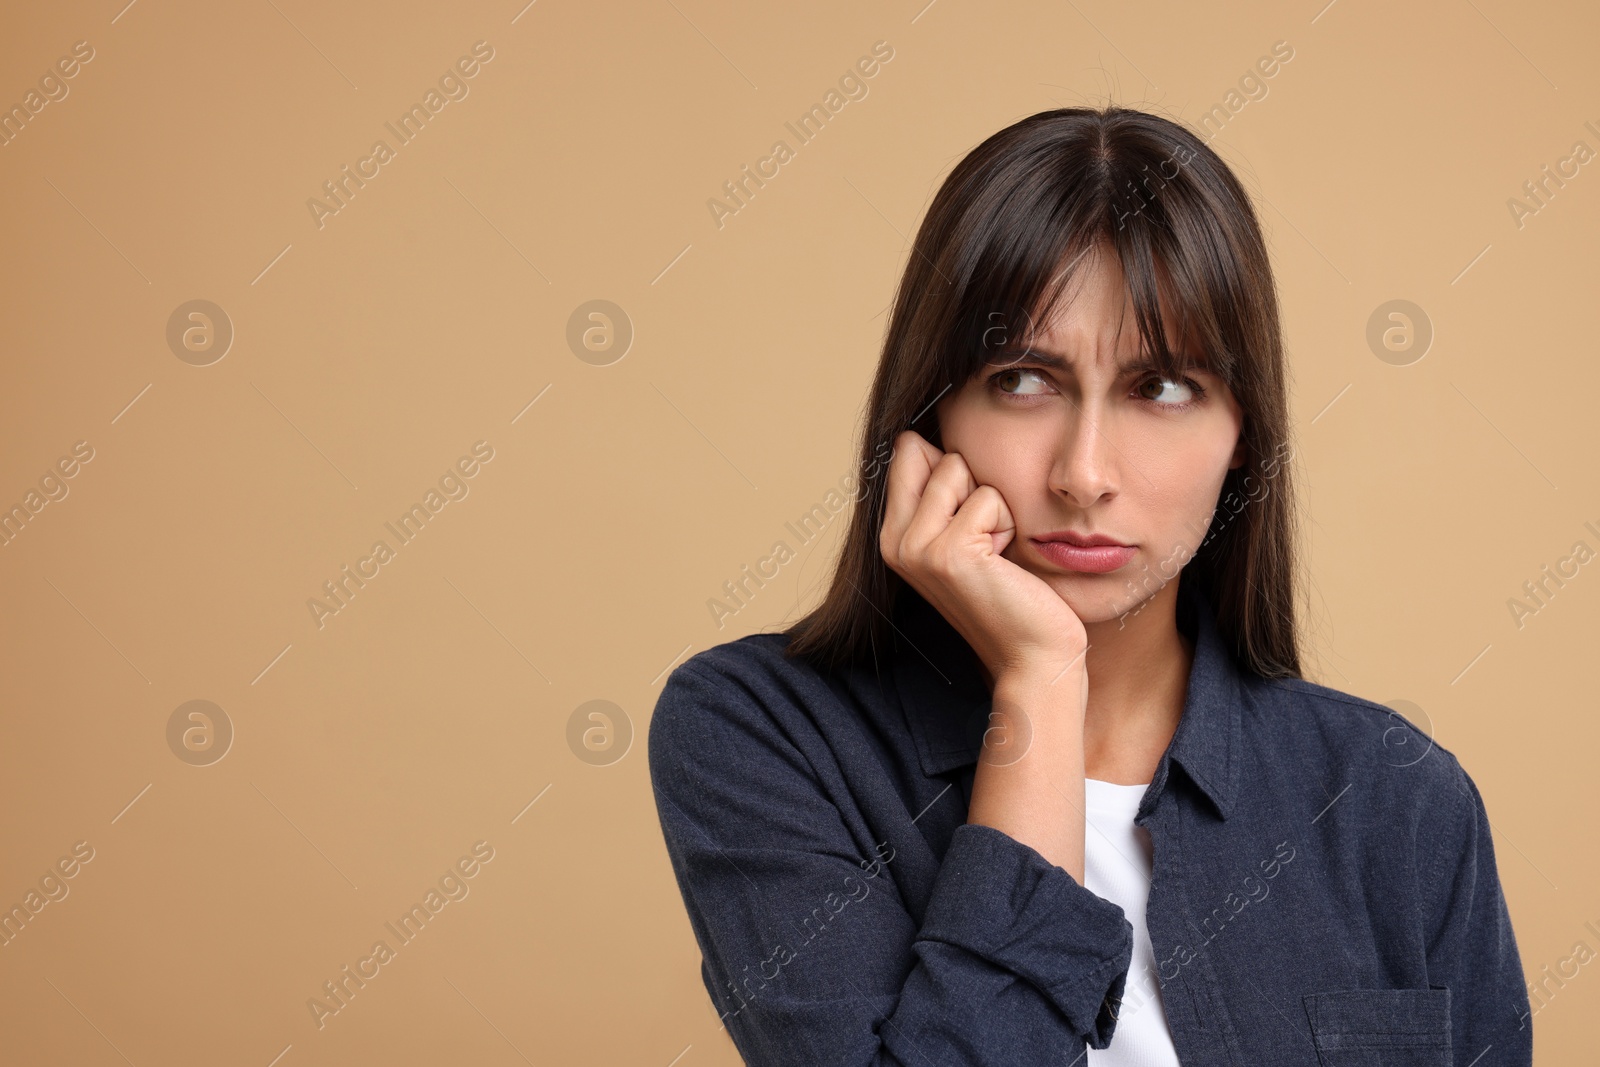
[[1039, 780]]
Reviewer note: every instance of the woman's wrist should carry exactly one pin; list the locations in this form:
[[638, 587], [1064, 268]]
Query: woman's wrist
[[1057, 685]]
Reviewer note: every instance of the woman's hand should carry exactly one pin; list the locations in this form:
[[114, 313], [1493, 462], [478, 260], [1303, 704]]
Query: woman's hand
[[944, 534]]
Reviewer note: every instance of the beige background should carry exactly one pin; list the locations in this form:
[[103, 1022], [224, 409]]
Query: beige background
[[372, 352]]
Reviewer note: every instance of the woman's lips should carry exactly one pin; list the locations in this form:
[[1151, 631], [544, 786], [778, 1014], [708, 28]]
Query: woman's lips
[[1096, 560]]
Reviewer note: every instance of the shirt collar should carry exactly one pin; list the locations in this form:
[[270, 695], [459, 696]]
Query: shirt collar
[[946, 700]]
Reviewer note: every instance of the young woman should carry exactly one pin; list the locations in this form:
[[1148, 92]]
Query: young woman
[[1039, 781]]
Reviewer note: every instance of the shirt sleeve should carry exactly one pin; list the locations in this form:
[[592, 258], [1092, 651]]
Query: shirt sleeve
[[810, 954], [1471, 947]]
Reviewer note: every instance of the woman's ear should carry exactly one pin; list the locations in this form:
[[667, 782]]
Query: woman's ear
[[1240, 451]]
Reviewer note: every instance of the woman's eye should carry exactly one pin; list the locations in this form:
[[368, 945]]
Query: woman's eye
[[1007, 378], [1167, 391]]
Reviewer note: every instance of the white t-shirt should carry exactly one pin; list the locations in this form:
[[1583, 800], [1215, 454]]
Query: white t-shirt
[[1116, 865]]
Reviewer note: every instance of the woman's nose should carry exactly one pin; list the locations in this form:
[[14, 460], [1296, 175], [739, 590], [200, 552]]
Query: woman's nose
[[1085, 461]]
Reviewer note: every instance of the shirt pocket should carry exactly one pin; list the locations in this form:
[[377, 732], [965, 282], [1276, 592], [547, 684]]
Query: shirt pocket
[[1381, 1027]]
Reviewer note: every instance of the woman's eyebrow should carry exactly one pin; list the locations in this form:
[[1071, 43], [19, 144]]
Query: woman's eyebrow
[[1143, 362]]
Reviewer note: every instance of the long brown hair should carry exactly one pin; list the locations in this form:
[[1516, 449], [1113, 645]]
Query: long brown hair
[[1001, 240]]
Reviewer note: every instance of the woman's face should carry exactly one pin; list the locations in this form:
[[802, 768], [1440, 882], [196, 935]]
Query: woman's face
[[1078, 438]]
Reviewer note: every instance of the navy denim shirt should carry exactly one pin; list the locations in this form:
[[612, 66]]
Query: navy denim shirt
[[1324, 888]]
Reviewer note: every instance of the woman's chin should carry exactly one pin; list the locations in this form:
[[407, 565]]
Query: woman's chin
[[1097, 598]]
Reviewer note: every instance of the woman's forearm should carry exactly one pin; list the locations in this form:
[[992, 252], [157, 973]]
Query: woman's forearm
[[1029, 782]]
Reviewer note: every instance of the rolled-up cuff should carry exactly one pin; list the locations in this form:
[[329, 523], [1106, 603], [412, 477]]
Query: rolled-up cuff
[[1002, 901]]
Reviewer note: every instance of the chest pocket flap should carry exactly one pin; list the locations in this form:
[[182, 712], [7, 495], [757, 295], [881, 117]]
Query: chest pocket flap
[[1381, 1027]]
